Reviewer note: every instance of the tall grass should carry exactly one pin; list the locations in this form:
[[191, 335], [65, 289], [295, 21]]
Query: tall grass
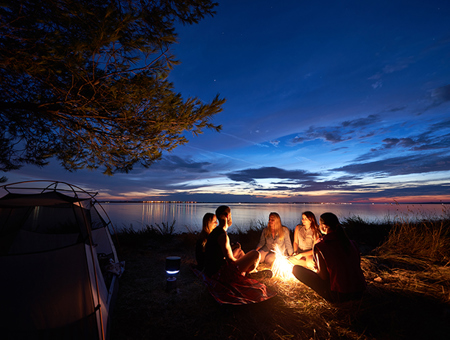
[[370, 234], [428, 239], [165, 229]]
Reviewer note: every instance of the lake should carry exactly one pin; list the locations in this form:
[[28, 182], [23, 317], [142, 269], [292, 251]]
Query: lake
[[188, 216]]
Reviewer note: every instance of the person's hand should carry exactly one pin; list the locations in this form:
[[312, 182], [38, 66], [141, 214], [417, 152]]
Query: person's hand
[[236, 245]]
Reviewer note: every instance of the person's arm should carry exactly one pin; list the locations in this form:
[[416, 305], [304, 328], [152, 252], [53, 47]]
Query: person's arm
[[321, 266], [306, 253], [224, 243], [287, 241], [295, 239], [262, 240]]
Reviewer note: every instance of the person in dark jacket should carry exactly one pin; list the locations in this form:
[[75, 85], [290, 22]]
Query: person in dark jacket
[[337, 276], [219, 252]]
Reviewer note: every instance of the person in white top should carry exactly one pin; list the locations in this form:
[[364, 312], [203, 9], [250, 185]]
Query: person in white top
[[275, 235], [306, 235]]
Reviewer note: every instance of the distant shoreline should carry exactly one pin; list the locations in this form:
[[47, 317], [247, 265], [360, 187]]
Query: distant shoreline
[[293, 203]]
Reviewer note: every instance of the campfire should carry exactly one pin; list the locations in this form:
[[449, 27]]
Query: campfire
[[281, 267]]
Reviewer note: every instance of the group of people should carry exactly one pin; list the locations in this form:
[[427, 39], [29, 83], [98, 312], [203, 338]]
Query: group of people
[[323, 257]]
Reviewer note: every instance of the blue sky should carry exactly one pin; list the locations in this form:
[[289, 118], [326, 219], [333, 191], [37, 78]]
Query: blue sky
[[330, 101]]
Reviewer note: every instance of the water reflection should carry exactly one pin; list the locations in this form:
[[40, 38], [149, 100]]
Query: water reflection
[[188, 216]]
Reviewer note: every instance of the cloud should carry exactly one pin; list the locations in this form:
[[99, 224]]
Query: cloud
[[388, 69], [440, 95], [177, 163], [361, 122], [404, 165], [437, 97], [445, 124], [393, 142], [396, 109], [275, 142], [377, 84], [433, 138], [322, 185], [250, 175], [338, 133], [430, 190]]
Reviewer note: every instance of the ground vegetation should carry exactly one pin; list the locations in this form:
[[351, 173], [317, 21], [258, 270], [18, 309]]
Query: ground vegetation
[[406, 265]]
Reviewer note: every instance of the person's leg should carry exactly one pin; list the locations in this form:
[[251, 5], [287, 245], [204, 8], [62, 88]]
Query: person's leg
[[270, 258], [263, 255], [309, 262], [312, 280], [249, 261]]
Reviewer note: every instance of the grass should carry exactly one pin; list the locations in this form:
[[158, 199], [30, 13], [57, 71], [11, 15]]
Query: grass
[[406, 266]]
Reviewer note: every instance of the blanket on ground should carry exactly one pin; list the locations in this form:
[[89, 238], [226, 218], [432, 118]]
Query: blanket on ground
[[228, 286]]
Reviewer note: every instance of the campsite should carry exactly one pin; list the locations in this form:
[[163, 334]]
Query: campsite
[[178, 103], [70, 276], [408, 294]]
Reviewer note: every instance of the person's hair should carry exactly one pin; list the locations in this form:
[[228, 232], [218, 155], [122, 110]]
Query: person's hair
[[278, 226], [207, 218], [222, 212], [206, 222], [332, 222], [314, 226]]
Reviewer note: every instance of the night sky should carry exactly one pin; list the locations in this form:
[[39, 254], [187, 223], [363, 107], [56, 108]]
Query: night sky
[[327, 101]]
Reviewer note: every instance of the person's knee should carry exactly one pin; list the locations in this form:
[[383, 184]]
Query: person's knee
[[255, 255], [296, 270], [270, 259]]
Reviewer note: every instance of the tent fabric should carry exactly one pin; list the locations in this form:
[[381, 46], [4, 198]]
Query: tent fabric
[[53, 258], [30, 242], [43, 199], [35, 300]]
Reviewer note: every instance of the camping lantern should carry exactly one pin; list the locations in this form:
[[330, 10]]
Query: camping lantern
[[173, 265], [172, 269]]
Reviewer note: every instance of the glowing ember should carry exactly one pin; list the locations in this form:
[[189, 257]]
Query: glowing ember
[[281, 267]]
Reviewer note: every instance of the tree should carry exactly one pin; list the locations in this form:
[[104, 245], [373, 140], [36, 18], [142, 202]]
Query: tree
[[85, 81]]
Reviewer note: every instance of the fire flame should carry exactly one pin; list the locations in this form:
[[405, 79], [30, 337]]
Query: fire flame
[[281, 267]]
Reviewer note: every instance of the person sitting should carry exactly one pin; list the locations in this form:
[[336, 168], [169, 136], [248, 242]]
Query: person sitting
[[275, 234], [209, 222], [218, 251], [306, 235], [338, 276]]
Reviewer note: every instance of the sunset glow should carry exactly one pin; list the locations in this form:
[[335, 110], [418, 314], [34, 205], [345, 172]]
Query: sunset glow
[[325, 103]]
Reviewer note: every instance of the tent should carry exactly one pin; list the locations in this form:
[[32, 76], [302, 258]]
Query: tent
[[59, 267]]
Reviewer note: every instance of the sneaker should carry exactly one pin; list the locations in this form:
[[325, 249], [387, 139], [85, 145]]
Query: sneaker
[[263, 274]]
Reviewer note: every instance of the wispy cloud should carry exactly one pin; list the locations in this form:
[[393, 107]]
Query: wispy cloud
[[397, 66], [440, 95], [420, 163], [177, 163], [437, 97], [251, 175], [338, 133]]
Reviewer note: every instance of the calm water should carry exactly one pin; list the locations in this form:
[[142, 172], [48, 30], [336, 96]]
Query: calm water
[[188, 216]]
